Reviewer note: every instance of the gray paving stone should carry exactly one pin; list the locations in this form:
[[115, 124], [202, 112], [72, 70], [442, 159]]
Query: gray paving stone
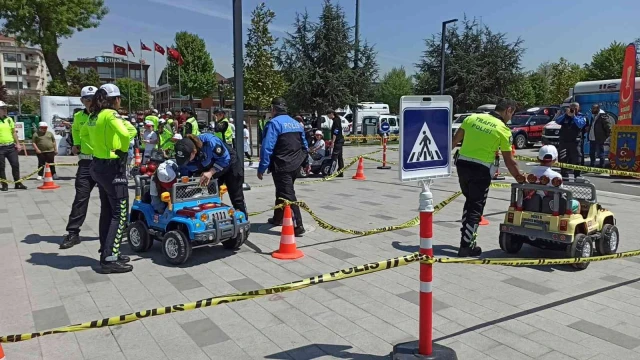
[[50, 318], [528, 285], [330, 208], [447, 224], [345, 195], [6, 230], [405, 233], [383, 217], [331, 285], [245, 284], [184, 282], [619, 280], [204, 332], [89, 277], [4, 211], [414, 297], [606, 334], [35, 217], [337, 253], [371, 203]]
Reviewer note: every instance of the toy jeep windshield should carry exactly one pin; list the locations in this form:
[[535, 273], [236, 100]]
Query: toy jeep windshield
[[194, 216], [541, 215]]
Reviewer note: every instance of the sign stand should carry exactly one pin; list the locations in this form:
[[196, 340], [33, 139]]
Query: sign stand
[[424, 155], [384, 153]]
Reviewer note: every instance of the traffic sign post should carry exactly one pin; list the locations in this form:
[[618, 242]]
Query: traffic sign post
[[425, 154]]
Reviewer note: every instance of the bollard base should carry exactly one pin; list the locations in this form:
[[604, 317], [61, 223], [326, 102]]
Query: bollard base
[[386, 167], [409, 351], [246, 187]]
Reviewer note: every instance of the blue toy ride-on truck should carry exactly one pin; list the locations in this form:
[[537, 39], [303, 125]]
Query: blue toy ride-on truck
[[194, 216]]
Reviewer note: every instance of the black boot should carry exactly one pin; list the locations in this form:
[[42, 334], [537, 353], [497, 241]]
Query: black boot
[[114, 267], [468, 251], [299, 230], [5, 187], [123, 259], [272, 221], [69, 241], [20, 186]]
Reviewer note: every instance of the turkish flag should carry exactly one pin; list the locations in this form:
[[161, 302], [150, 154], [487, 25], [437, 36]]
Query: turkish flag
[[119, 50], [158, 48], [144, 47], [175, 55], [129, 50]]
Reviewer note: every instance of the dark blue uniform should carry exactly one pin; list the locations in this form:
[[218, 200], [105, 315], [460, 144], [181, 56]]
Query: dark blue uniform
[[228, 170], [284, 150]]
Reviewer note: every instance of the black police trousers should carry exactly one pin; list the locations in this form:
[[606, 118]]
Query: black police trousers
[[337, 157], [233, 177], [475, 180], [110, 176], [10, 153], [84, 185], [570, 153], [285, 190]]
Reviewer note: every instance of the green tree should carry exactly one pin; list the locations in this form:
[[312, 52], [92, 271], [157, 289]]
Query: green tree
[[394, 84], [606, 63], [540, 81], [564, 76], [262, 81], [317, 62], [481, 65], [522, 91], [44, 22], [197, 74], [78, 80], [57, 88], [3, 93], [133, 93]]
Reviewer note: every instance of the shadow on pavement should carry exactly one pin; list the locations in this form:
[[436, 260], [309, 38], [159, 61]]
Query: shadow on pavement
[[537, 309], [438, 250], [315, 351], [62, 262], [37, 238], [199, 255]]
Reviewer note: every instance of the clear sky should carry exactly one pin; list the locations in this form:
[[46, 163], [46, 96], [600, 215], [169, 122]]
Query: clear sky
[[397, 28]]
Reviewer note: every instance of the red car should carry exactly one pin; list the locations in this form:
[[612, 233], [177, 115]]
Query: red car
[[527, 126]]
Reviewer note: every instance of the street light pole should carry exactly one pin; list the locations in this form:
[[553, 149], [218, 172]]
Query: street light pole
[[356, 60], [442, 52], [238, 80]]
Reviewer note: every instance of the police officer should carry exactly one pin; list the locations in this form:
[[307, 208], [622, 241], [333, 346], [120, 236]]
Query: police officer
[[483, 135], [153, 117], [84, 182], [572, 122], [190, 126], [261, 125], [109, 138], [208, 157], [337, 142], [284, 150], [223, 129], [9, 149]]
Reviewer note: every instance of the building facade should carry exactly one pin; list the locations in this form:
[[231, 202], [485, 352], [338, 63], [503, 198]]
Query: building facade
[[167, 98], [22, 68], [111, 68]]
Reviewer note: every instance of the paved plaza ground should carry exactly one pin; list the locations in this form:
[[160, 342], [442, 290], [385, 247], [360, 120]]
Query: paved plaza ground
[[483, 312]]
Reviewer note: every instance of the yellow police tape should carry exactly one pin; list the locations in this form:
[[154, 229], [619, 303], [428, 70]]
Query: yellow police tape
[[359, 138], [35, 172], [583, 168], [378, 160], [224, 299]]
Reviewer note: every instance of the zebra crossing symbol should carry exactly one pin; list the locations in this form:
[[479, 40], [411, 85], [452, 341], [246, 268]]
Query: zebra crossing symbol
[[425, 147]]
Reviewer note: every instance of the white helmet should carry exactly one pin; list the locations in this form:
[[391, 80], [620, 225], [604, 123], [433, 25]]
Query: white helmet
[[167, 171], [88, 91], [111, 89], [2, 104]]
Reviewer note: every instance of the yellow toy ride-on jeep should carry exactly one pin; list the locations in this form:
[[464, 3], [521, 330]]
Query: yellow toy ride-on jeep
[[542, 216]]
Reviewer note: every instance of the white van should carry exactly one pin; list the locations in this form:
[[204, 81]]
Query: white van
[[369, 109], [394, 123], [326, 124]]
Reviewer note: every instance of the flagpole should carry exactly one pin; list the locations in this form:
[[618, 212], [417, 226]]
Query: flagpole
[[180, 85], [142, 72], [129, 76], [114, 65], [154, 69]]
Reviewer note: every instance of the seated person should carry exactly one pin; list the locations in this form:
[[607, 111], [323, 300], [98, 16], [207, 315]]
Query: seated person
[[318, 149], [163, 179], [547, 155]]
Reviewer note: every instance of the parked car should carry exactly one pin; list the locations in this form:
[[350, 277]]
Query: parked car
[[527, 126]]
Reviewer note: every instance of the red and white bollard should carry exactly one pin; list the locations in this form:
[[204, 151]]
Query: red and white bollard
[[384, 153], [424, 348]]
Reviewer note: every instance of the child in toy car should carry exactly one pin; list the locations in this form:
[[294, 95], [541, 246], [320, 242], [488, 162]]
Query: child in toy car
[[161, 181]]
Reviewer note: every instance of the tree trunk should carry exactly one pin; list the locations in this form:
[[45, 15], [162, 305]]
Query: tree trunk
[[50, 51]]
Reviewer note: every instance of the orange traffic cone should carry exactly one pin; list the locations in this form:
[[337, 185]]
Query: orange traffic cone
[[48, 183], [483, 221], [138, 158], [288, 249], [1, 353], [360, 172]]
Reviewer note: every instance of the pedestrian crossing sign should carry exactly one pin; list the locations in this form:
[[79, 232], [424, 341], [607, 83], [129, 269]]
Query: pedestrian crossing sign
[[425, 137]]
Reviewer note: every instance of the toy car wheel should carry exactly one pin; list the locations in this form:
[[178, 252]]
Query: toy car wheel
[[139, 236], [236, 242], [608, 242], [582, 247], [176, 247], [520, 141], [510, 243], [303, 172], [326, 168], [135, 171]]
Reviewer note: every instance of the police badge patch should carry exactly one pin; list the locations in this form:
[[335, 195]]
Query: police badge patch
[[218, 150], [179, 153]]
